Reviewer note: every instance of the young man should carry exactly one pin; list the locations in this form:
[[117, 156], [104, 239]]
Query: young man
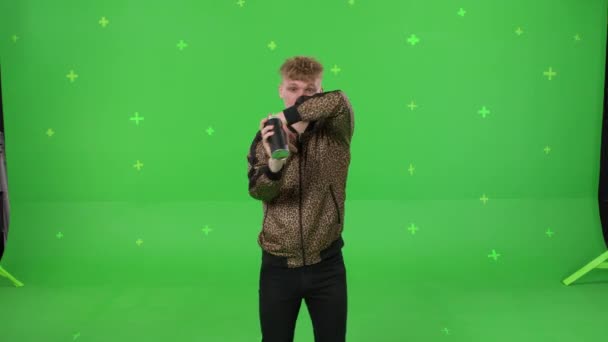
[[303, 202]]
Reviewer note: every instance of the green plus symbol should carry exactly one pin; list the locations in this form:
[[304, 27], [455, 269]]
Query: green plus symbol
[[412, 105], [462, 12], [494, 255], [550, 73], [76, 336], [14, 37], [240, 3], [59, 235], [72, 76], [483, 111], [411, 169], [484, 199], [577, 37], [206, 230], [136, 118], [413, 39], [413, 229], [335, 69], [210, 130], [138, 165], [50, 132], [446, 331], [549, 232], [547, 149], [519, 31], [103, 22], [272, 45], [139, 242], [182, 45]]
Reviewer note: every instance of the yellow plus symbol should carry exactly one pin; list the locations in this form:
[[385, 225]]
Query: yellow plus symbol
[[206, 230], [103, 22], [138, 165], [335, 69], [550, 73], [72, 76], [412, 105]]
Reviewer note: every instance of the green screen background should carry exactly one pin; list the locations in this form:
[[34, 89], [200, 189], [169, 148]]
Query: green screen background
[[472, 189]]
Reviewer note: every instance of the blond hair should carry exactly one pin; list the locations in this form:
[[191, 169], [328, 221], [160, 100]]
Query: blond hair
[[301, 68]]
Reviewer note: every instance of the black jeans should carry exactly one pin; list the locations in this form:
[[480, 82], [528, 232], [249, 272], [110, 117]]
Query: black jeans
[[322, 286]]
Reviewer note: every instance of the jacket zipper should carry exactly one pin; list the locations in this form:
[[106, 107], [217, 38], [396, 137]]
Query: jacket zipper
[[300, 204], [265, 214], [331, 190]]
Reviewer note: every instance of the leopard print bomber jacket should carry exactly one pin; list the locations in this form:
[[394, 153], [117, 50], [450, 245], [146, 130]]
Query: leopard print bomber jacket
[[303, 202]]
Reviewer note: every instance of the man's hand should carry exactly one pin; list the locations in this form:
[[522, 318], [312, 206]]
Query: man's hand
[[268, 131]]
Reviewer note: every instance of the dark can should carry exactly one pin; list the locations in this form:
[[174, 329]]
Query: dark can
[[277, 141]]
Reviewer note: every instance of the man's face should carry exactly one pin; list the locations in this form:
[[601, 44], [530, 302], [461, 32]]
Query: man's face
[[290, 90]]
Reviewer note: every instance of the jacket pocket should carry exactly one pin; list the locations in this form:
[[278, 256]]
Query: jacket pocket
[[333, 196]]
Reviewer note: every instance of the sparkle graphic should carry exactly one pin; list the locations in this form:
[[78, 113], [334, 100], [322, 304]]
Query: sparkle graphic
[[413, 229], [335, 69], [206, 230], [494, 255], [412, 105], [103, 22], [413, 39], [136, 118], [411, 169], [484, 112], [550, 73], [72, 76], [182, 45], [138, 165]]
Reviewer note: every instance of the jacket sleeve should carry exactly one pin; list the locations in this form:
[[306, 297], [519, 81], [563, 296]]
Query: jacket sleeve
[[264, 184], [333, 106]]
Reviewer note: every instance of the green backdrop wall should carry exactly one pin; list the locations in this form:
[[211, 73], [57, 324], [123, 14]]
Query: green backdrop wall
[[472, 186]]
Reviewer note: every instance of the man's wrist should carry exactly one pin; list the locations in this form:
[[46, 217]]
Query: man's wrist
[[275, 165]]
